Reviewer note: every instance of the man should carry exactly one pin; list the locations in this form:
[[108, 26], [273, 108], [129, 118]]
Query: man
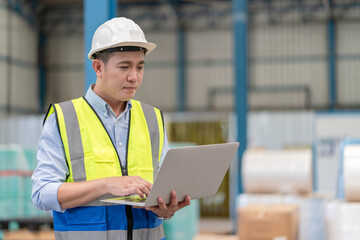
[[104, 145]]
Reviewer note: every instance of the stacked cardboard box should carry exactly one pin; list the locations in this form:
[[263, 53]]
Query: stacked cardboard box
[[311, 210], [268, 222], [25, 234]]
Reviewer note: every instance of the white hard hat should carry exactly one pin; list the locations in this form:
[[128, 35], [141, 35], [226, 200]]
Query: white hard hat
[[119, 32]]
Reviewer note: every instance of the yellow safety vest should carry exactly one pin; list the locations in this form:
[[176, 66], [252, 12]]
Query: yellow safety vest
[[90, 154]]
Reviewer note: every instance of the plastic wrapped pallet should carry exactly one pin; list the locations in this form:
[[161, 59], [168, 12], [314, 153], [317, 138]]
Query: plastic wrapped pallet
[[351, 167], [311, 211], [342, 221], [13, 165], [184, 224], [30, 210], [268, 222], [11, 185], [12, 158], [30, 156], [11, 208]]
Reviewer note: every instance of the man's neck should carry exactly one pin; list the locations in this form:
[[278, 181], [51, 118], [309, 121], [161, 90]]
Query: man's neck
[[117, 106]]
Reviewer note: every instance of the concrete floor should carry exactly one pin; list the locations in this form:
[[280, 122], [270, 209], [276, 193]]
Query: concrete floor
[[209, 236], [215, 225], [215, 229], [209, 229]]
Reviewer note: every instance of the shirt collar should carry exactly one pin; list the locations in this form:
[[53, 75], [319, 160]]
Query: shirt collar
[[100, 105]]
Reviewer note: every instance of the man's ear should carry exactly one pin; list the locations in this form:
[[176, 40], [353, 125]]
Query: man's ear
[[98, 67]]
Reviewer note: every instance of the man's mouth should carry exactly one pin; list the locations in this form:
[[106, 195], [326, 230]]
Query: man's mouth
[[130, 88]]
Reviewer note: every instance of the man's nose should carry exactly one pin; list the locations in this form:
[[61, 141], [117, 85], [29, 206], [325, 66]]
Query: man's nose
[[132, 75]]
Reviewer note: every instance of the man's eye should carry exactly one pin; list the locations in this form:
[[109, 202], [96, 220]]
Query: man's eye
[[140, 67], [124, 67]]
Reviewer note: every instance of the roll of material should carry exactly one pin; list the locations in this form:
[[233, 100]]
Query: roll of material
[[342, 221], [288, 171], [351, 168]]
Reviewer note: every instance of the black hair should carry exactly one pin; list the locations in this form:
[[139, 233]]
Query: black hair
[[104, 56]]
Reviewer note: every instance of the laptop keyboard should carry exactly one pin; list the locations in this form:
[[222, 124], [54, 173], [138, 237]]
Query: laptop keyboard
[[134, 199]]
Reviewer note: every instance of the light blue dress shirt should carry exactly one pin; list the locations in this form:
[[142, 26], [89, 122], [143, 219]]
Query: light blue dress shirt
[[52, 170]]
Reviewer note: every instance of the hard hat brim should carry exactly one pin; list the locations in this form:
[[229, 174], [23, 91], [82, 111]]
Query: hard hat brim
[[147, 45]]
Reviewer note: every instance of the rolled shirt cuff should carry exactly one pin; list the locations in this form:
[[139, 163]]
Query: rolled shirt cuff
[[49, 199]]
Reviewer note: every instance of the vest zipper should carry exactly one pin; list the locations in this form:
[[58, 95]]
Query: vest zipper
[[129, 216], [130, 222], [124, 171]]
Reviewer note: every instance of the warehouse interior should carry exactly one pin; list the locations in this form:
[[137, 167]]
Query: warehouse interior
[[279, 76]]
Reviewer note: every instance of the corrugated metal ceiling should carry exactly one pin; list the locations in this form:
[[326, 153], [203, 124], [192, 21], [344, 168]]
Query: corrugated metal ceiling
[[77, 2]]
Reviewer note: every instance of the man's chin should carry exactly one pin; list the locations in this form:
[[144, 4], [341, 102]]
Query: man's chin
[[126, 98]]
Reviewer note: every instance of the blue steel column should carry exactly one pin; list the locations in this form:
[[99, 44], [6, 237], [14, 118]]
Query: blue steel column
[[95, 13], [332, 63], [181, 106], [42, 71], [314, 168], [240, 66]]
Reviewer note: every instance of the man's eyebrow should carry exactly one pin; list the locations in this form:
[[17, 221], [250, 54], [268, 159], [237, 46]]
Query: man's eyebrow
[[129, 62]]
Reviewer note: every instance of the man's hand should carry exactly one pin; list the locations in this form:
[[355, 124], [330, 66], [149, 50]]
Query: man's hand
[[77, 194], [128, 185], [167, 210]]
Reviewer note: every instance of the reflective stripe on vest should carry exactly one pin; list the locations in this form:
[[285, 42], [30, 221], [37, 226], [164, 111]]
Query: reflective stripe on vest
[[75, 146], [151, 121], [143, 118], [90, 223], [154, 233], [91, 154]]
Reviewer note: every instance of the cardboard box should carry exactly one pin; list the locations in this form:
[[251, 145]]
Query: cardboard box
[[24, 234], [268, 222]]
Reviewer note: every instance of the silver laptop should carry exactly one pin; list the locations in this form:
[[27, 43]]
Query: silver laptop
[[196, 171]]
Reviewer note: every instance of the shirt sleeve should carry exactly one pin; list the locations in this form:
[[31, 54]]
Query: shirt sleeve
[[51, 170]]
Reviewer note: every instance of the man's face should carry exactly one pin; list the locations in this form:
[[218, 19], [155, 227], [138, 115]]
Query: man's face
[[121, 76]]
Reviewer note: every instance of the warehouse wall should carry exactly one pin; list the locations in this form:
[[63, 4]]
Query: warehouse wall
[[13, 129], [291, 55], [19, 88], [65, 71], [288, 62], [159, 86], [348, 74], [63, 50], [288, 65], [209, 68], [3, 54]]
